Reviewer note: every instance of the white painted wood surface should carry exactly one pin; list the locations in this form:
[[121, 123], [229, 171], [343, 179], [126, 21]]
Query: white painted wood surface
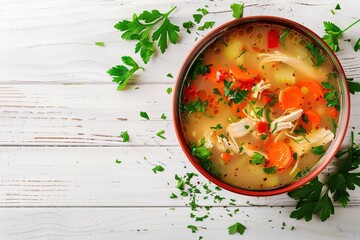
[[60, 119]]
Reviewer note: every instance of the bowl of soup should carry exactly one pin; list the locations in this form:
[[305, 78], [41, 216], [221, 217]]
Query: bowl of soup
[[261, 105]]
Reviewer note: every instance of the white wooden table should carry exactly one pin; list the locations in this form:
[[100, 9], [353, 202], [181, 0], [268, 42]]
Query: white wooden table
[[60, 119]]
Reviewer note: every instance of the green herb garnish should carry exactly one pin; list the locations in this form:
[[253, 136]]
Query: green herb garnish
[[257, 158], [140, 29], [206, 25], [169, 90], [101, 44], [236, 228], [193, 228], [173, 195], [331, 96], [117, 161], [158, 168], [357, 45], [160, 134], [319, 150], [192, 107], [217, 127], [163, 116], [313, 198], [317, 58], [188, 25], [237, 10], [283, 36], [198, 67], [121, 74], [270, 170], [144, 115], [334, 33], [125, 136]]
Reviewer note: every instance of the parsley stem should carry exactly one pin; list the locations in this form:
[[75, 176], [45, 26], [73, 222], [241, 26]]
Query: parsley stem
[[169, 12], [350, 25], [252, 108]]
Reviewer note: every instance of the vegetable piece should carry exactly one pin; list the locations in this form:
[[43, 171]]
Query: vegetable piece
[[313, 91], [317, 57], [203, 153], [121, 74], [158, 168], [125, 136], [217, 127], [238, 109], [273, 38], [291, 97], [236, 228], [280, 155], [226, 157], [310, 121], [237, 10], [101, 44], [257, 158], [206, 25], [332, 112], [244, 76], [270, 170], [140, 27], [286, 76], [262, 127], [334, 33], [283, 36], [144, 115]]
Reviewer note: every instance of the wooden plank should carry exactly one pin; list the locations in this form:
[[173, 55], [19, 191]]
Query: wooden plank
[[163, 223], [90, 177], [91, 115], [51, 42]]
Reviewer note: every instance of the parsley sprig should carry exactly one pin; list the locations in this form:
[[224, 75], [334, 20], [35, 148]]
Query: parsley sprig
[[334, 33], [317, 198], [121, 74], [140, 29]]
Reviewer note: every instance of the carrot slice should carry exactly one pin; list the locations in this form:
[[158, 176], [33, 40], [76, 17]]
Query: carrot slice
[[291, 97], [238, 109], [310, 121], [312, 90], [333, 113], [244, 76], [280, 155], [226, 157]]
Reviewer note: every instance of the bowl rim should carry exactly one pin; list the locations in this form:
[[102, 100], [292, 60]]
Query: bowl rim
[[343, 119]]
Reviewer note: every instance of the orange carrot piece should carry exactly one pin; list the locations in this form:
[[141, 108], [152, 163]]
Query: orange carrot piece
[[291, 97], [315, 93], [226, 157], [238, 109], [244, 76], [280, 155], [313, 121], [332, 112]]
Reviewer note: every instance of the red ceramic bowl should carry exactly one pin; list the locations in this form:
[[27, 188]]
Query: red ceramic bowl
[[344, 112]]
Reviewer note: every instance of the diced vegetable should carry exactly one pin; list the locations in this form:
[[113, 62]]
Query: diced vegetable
[[273, 38], [226, 157], [244, 76], [291, 97], [233, 50], [332, 112], [285, 76], [262, 127], [280, 155]]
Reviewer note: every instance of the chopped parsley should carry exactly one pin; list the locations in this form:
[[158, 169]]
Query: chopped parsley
[[125, 136], [158, 168], [117, 161], [193, 228], [192, 107], [331, 96], [237, 10], [160, 134], [169, 75], [198, 67], [317, 57], [163, 116], [236, 228], [270, 170], [283, 36], [217, 127], [257, 158], [319, 150], [173, 195], [354, 87], [169, 90], [144, 115], [305, 118], [188, 25], [101, 44], [206, 25], [357, 45]]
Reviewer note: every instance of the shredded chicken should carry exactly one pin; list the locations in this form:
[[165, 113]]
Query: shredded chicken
[[285, 121], [294, 62], [259, 88], [319, 137], [241, 128]]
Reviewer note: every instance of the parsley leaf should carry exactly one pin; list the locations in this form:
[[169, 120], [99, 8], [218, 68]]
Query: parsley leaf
[[169, 75], [354, 87], [337, 7], [118, 161], [357, 45], [192, 107], [144, 115], [237, 10], [188, 25], [257, 158], [236, 228], [125, 136], [236, 95], [198, 67], [317, 58], [333, 33], [173, 195], [121, 74], [319, 150], [206, 25], [160, 134], [312, 199], [158, 168], [139, 29], [163, 116], [193, 228], [197, 18], [217, 127], [331, 96], [169, 90], [270, 170], [202, 153], [101, 44]]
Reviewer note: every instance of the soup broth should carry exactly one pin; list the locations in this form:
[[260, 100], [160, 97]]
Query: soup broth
[[259, 106]]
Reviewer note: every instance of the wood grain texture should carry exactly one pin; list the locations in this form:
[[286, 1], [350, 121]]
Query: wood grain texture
[[164, 223]]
